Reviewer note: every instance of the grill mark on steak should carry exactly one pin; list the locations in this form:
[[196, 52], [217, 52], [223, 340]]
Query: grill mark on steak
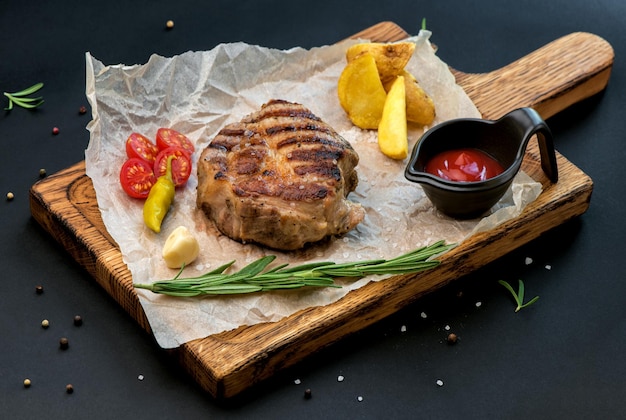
[[291, 127], [250, 161], [306, 138], [319, 170], [315, 154], [281, 108], [289, 193]]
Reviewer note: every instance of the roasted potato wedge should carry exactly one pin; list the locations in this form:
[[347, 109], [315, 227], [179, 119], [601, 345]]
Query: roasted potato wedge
[[420, 108], [391, 58], [392, 130], [361, 93]]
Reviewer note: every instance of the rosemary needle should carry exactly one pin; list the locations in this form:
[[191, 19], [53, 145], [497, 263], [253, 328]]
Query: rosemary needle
[[257, 277]]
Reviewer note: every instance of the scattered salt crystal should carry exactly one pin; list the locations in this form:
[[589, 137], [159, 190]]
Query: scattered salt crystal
[[439, 382], [297, 382], [346, 239], [478, 304], [423, 315], [548, 267], [403, 328], [340, 378], [359, 398], [140, 377], [528, 261], [447, 328]]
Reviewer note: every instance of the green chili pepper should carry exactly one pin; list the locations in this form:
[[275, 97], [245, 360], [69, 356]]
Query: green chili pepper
[[160, 199]]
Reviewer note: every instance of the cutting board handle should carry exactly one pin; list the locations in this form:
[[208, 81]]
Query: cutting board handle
[[550, 79]]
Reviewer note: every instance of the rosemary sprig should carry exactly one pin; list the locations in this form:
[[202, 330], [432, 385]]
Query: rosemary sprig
[[519, 296], [257, 277], [21, 98]]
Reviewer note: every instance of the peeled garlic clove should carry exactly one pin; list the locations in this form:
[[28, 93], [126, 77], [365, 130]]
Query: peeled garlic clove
[[181, 247]]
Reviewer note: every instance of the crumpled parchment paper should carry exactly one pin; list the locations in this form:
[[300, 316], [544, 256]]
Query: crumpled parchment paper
[[197, 93]]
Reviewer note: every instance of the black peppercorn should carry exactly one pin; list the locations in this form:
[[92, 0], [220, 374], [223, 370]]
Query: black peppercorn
[[64, 343], [452, 338], [78, 320], [69, 388], [307, 393], [39, 290]]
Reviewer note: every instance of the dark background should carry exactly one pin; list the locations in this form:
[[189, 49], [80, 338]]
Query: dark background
[[563, 357]]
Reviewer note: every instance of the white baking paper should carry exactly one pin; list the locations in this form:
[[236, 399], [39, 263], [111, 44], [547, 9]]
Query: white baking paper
[[197, 93]]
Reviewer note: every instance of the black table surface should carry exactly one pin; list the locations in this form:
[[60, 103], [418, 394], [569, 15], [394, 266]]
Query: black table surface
[[562, 357]]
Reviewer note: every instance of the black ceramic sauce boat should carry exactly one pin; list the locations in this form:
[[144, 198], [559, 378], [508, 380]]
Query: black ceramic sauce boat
[[505, 140]]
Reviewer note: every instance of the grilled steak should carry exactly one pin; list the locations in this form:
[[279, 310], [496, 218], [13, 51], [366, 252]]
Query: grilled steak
[[279, 178]]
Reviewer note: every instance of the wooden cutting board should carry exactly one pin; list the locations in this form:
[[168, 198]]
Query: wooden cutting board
[[550, 79]]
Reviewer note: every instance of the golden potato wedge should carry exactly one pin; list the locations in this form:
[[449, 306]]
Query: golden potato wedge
[[420, 107], [361, 93], [391, 58], [392, 130]]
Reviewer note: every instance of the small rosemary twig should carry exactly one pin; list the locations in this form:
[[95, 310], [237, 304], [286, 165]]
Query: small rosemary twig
[[21, 98], [519, 295]]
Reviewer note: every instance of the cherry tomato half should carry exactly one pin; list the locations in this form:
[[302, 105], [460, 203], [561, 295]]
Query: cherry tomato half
[[137, 177], [181, 165], [166, 137], [139, 146]]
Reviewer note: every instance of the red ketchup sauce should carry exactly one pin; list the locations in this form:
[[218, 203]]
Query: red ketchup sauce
[[464, 165]]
